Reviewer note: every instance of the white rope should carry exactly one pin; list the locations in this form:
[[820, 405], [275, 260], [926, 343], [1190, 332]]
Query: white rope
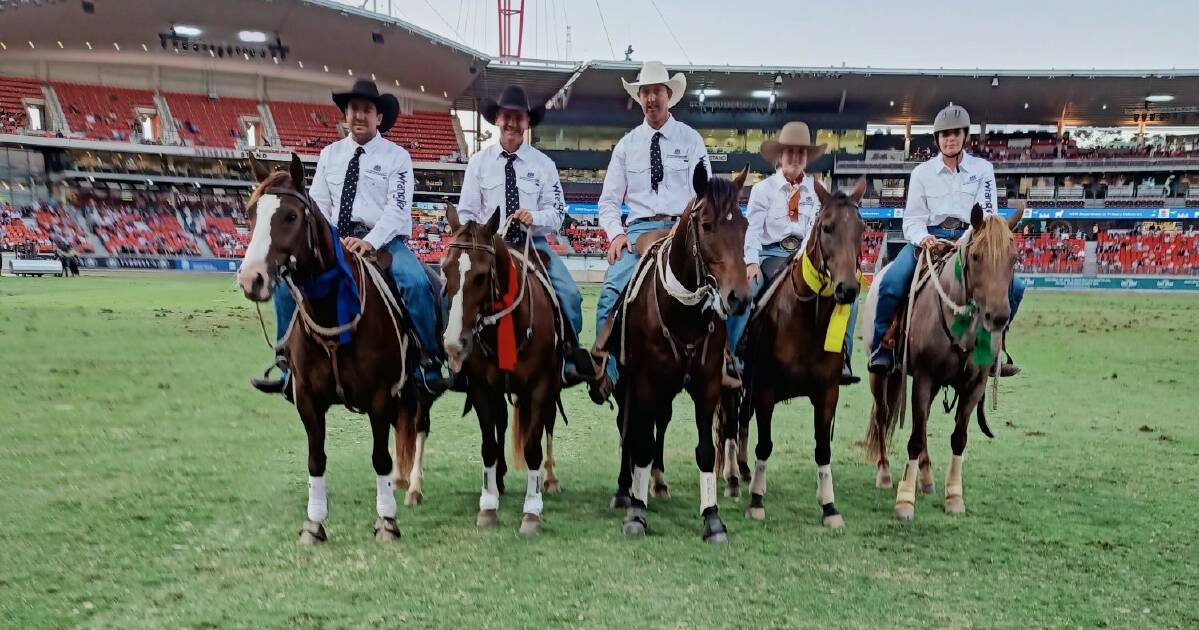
[[674, 288], [490, 320]]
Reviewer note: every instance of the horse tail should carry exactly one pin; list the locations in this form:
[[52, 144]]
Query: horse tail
[[884, 419], [405, 428], [520, 435]]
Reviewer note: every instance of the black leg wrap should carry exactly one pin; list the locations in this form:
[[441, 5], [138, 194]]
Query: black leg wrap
[[714, 530], [621, 499], [829, 510], [755, 500]]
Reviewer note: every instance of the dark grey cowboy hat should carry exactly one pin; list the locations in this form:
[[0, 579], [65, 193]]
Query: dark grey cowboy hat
[[513, 97], [387, 104]]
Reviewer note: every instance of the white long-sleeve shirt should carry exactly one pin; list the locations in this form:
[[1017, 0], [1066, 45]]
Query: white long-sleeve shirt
[[483, 187], [937, 193], [628, 177], [767, 213], [383, 202]]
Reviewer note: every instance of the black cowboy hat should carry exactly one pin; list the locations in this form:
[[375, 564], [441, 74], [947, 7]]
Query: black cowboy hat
[[513, 97], [387, 104]]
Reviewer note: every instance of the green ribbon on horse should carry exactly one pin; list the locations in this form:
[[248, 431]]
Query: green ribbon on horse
[[982, 353]]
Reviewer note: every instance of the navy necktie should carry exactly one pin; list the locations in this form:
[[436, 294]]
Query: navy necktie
[[655, 161], [511, 196], [348, 190]]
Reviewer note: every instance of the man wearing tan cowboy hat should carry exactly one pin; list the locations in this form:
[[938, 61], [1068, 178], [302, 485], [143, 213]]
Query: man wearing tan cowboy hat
[[523, 182], [363, 185], [651, 172], [781, 211]]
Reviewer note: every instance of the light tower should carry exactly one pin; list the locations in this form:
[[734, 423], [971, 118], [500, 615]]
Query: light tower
[[506, 12]]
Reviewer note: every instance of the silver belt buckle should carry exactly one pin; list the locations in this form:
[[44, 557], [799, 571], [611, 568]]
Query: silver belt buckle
[[791, 243]]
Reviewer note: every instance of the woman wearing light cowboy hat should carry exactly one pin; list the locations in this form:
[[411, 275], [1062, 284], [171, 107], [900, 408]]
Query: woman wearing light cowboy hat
[[781, 211], [651, 172], [523, 182]]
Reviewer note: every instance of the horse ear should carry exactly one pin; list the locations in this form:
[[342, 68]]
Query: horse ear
[[493, 224], [976, 217], [821, 193], [859, 189], [1014, 220], [739, 178], [699, 180], [297, 173], [261, 172], [451, 216]]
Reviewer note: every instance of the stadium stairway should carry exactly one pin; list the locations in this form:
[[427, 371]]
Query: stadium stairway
[[97, 242], [1090, 261]]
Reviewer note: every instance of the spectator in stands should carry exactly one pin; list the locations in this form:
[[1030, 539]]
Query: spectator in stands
[[363, 186], [651, 171], [781, 211], [941, 195], [523, 183]]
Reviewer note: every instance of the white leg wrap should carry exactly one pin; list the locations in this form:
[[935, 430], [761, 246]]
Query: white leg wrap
[[906, 491], [757, 485], [533, 493], [824, 484], [489, 498], [707, 491], [318, 501], [385, 496], [953, 477], [730, 459], [641, 483]]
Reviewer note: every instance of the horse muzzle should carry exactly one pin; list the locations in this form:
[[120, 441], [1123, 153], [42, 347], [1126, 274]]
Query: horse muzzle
[[846, 292], [456, 352], [255, 282]]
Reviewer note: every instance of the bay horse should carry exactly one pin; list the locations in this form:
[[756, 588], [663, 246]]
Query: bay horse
[[293, 244], [794, 346], [667, 337], [502, 335], [955, 332]]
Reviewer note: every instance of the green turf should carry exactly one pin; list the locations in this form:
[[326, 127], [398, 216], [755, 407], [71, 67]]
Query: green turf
[[143, 484]]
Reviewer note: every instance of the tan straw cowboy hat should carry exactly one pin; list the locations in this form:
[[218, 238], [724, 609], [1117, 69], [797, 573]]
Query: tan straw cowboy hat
[[654, 73], [794, 134]]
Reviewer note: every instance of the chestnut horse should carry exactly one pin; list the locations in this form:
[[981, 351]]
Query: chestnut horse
[[955, 332], [484, 331], [794, 346], [667, 337], [293, 245]]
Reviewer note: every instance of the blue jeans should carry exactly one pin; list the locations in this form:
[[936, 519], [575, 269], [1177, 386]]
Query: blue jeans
[[735, 324], [899, 278], [564, 286], [415, 291], [618, 276]]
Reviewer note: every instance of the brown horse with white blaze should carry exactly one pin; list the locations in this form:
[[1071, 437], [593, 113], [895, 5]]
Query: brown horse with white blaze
[[794, 346], [956, 330], [668, 337], [293, 247], [480, 269]]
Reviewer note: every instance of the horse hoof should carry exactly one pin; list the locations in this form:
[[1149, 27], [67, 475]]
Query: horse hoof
[[930, 488], [552, 486], [487, 519], [905, 511], [386, 529], [833, 521], [756, 513], [955, 505], [662, 491], [714, 530], [414, 498], [746, 474], [882, 480], [634, 529], [732, 487], [530, 525], [312, 533], [719, 538], [634, 521], [620, 501]]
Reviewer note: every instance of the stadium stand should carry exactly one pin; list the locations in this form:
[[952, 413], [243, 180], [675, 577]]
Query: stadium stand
[[428, 136], [103, 113], [306, 126], [50, 228], [13, 118], [587, 239], [1049, 253], [872, 245], [142, 231], [1165, 253], [206, 122]]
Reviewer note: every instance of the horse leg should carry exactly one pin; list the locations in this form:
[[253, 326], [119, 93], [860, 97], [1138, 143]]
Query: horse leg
[[905, 496], [926, 485], [420, 417], [487, 408], [501, 429], [534, 409], [639, 442], [382, 418], [313, 417], [955, 502], [763, 410], [552, 485], [743, 448], [411, 432], [661, 490], [624, 478], [824, 408], [707, 401], [726, 442]]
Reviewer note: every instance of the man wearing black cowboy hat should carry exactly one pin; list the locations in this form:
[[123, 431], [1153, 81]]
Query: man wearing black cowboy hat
[[522, 182], [363, 185]]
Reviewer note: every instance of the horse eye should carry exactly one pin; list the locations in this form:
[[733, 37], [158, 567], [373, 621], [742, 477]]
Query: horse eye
[[290, 217], [974, 257], [707, 227], [828, 229]]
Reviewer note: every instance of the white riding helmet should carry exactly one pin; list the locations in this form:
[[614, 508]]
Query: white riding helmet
[[952, 117]]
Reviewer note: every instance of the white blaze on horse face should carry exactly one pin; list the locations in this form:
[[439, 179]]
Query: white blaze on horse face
[[253, 264], [453, 327]]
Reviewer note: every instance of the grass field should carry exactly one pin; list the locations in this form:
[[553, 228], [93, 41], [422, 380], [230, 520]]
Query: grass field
[[144, 484]]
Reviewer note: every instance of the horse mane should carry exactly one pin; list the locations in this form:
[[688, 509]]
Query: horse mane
[[993, 241], [722, 191], [272, 180]]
